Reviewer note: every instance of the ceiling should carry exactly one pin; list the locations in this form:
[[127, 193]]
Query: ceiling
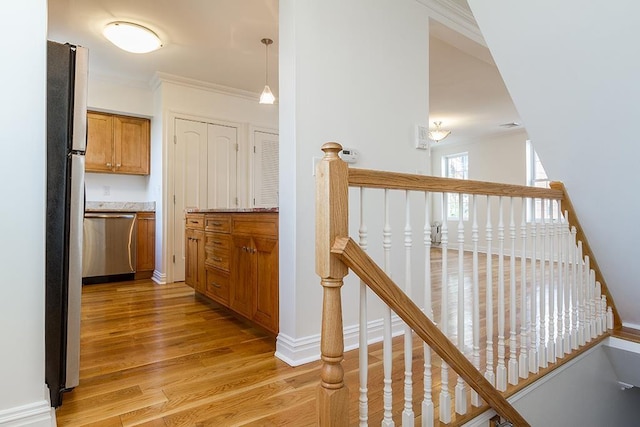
[[218, 41]]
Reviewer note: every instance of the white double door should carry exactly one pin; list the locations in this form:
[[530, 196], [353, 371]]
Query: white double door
[[205, 175]]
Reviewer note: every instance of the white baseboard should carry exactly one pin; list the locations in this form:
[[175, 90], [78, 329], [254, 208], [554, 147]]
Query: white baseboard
[[159, 278], [36, 414], [298, 351]]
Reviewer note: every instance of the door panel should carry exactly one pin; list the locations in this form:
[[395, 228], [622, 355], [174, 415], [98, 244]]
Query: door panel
[[265, 170], [222, 161], [190, 182], [242, 276]]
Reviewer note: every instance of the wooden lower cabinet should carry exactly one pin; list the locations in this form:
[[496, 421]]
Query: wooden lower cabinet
[[195, 253], [241, 264], [146, 244]]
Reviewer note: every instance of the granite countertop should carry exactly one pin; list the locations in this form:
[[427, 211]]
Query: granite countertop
[[120, 206], [233, 210]]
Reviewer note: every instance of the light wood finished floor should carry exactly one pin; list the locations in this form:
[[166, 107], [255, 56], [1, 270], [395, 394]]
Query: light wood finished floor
[[160, 356]]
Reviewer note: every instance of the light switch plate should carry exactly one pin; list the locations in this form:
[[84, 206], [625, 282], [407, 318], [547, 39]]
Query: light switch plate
[[422, 137]]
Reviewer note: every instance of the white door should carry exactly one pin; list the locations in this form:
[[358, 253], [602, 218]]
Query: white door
[[222, 161], [190, 182], [265, 169]]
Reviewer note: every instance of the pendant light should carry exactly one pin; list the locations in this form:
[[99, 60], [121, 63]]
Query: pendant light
[[266, 97], [438, 134]]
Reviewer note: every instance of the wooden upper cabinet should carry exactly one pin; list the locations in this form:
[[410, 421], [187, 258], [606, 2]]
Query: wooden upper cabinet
[[117, 144], [99, 155]]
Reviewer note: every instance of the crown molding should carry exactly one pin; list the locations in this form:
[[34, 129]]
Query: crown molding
[[161, 77], [455, 17]]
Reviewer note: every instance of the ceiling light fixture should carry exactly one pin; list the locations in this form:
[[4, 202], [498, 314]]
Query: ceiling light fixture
[[132, 37], [267, 96], [438, 134]]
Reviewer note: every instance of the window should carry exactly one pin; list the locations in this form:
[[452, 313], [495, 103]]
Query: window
[[456, 166], [536, 177]]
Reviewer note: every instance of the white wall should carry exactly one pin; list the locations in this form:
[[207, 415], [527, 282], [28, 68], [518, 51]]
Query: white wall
[[572, 74], [584, 392], [121, 97], [354, 73], [501, 158], [22, 182], [182, 98]]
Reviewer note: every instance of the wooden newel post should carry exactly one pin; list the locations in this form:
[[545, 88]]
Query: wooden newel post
[[332, 190]]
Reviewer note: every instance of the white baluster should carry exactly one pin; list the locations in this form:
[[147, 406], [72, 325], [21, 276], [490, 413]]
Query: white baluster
[[501, 369], [513, 337], [407, 413], [387, 343], [535, 306], [609, 318], [587, 299], [553, 296], [363, 401], [523, 363], [542, 349], [461, 388], [598, 301], [574, 290], [603, 306], [475, 357], [427, 401], [445, 397], [567, 250], [489, 374], [580, 293], [559, 286], [592, 303]]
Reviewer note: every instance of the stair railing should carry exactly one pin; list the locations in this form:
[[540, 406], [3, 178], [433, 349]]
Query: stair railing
[[549, 303]]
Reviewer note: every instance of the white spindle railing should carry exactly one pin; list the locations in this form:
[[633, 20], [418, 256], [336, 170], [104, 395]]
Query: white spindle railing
[[558, 306], [445, 397], [427, 401], [407, 413], [363, 400], [461, 389], [513, 340], [387, 361], [475, 358]]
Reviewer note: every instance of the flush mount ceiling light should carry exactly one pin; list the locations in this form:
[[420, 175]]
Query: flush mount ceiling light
[[438, 134], [267, 96], [132, 37]]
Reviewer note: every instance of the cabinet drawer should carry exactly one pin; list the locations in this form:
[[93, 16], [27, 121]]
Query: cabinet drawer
[[218, 223], [195, 221], [218, 286], [256, 225], [217, 250]]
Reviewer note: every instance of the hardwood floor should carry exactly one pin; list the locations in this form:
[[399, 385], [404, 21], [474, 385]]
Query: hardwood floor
[[160, 356]]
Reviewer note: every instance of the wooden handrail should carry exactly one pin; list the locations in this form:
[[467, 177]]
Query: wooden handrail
[[403, 181], [586, 249], [378, 281]]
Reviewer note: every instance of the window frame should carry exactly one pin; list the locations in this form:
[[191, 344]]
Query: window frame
[[536, 177], [453, 198]]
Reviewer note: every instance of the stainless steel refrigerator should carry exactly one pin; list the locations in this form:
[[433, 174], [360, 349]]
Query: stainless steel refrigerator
[[67, 74]]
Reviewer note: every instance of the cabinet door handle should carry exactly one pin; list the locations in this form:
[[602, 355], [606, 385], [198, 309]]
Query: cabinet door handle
[[217, 259], [118, 165], [108, 165]]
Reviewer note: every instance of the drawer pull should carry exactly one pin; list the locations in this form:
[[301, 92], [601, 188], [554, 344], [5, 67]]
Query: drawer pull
[[215, 285], [217, 242], [194, 222], [217, 259], [217, 224]]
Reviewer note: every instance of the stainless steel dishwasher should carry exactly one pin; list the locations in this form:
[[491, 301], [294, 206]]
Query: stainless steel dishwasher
[[109, 247]]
